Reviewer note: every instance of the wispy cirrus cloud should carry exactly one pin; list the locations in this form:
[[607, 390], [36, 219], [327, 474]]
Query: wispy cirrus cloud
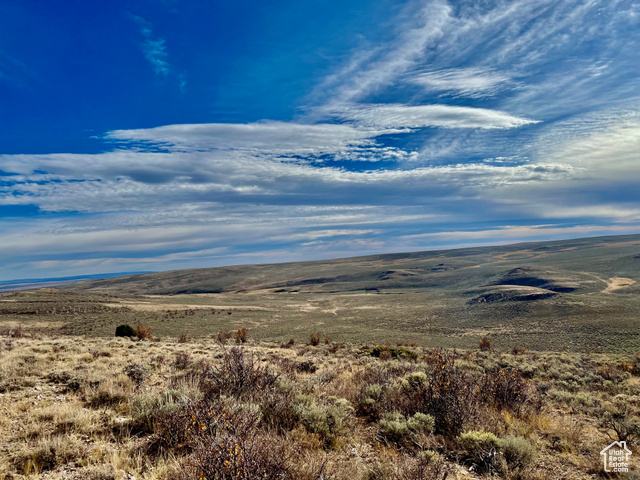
[[473, 82], [417, 116], [418, 27], [154, 48], [267, 137]]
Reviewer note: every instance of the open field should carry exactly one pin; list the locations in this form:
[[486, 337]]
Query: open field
[[79, 408], [606, 322], [578, 295]]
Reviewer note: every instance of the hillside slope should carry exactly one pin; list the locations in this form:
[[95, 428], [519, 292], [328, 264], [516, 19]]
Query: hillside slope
[[586, 265]]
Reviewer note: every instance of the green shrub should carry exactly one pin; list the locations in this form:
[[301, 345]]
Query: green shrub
[[368, 402], [487, 452], [414, 381], [479, 448], [145, 409], [518, 453], [324, 419], [395, 428], [421, 423], [125, 331]]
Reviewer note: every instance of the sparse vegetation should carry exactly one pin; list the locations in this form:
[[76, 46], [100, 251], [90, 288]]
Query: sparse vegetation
[[241, 335], [143, 332], [484, 344], [262, 410]]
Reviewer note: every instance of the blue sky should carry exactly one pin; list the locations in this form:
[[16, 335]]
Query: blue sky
[[155, 135]]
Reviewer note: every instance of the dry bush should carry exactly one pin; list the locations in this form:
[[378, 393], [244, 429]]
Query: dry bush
[[484, 344], [504, 388], [306, 366], [620, 423], [241, 335], [184, 337], [517, 350], [108, 393], [102, 472], [239, 376], [136, 372], [17, 333], [182, 360], [395, 352], [278, 411], [143, 332], [224, 336], [230, 445], [47, 453], [385, 355], [444, 391], [314, 339], [327, 340], [636, 364], [223, 443], [611, 372], [428, 465]]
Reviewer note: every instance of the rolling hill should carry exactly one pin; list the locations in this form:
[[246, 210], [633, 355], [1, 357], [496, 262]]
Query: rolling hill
[[580, 295], [580, 266]]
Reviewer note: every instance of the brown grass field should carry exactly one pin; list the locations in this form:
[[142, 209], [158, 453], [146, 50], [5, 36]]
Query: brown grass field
[[189, 408]]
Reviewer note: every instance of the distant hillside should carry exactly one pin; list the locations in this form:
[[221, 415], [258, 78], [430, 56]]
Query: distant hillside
[[524, 271]]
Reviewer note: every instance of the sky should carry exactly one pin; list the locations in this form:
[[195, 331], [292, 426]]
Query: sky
[[149, 135]]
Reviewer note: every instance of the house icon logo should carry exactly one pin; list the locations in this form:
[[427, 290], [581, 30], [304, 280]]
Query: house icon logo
[[616, 457]]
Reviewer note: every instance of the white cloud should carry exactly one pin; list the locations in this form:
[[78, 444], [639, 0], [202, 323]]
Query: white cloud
[[610, 153], [526, 231], [155, 51], [446, 116], [130, 180], [200, 255], [471, 82], [154, 48], [267, 137], [373, 69]]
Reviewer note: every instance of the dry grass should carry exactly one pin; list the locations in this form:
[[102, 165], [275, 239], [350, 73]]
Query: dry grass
[[96, 409]]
